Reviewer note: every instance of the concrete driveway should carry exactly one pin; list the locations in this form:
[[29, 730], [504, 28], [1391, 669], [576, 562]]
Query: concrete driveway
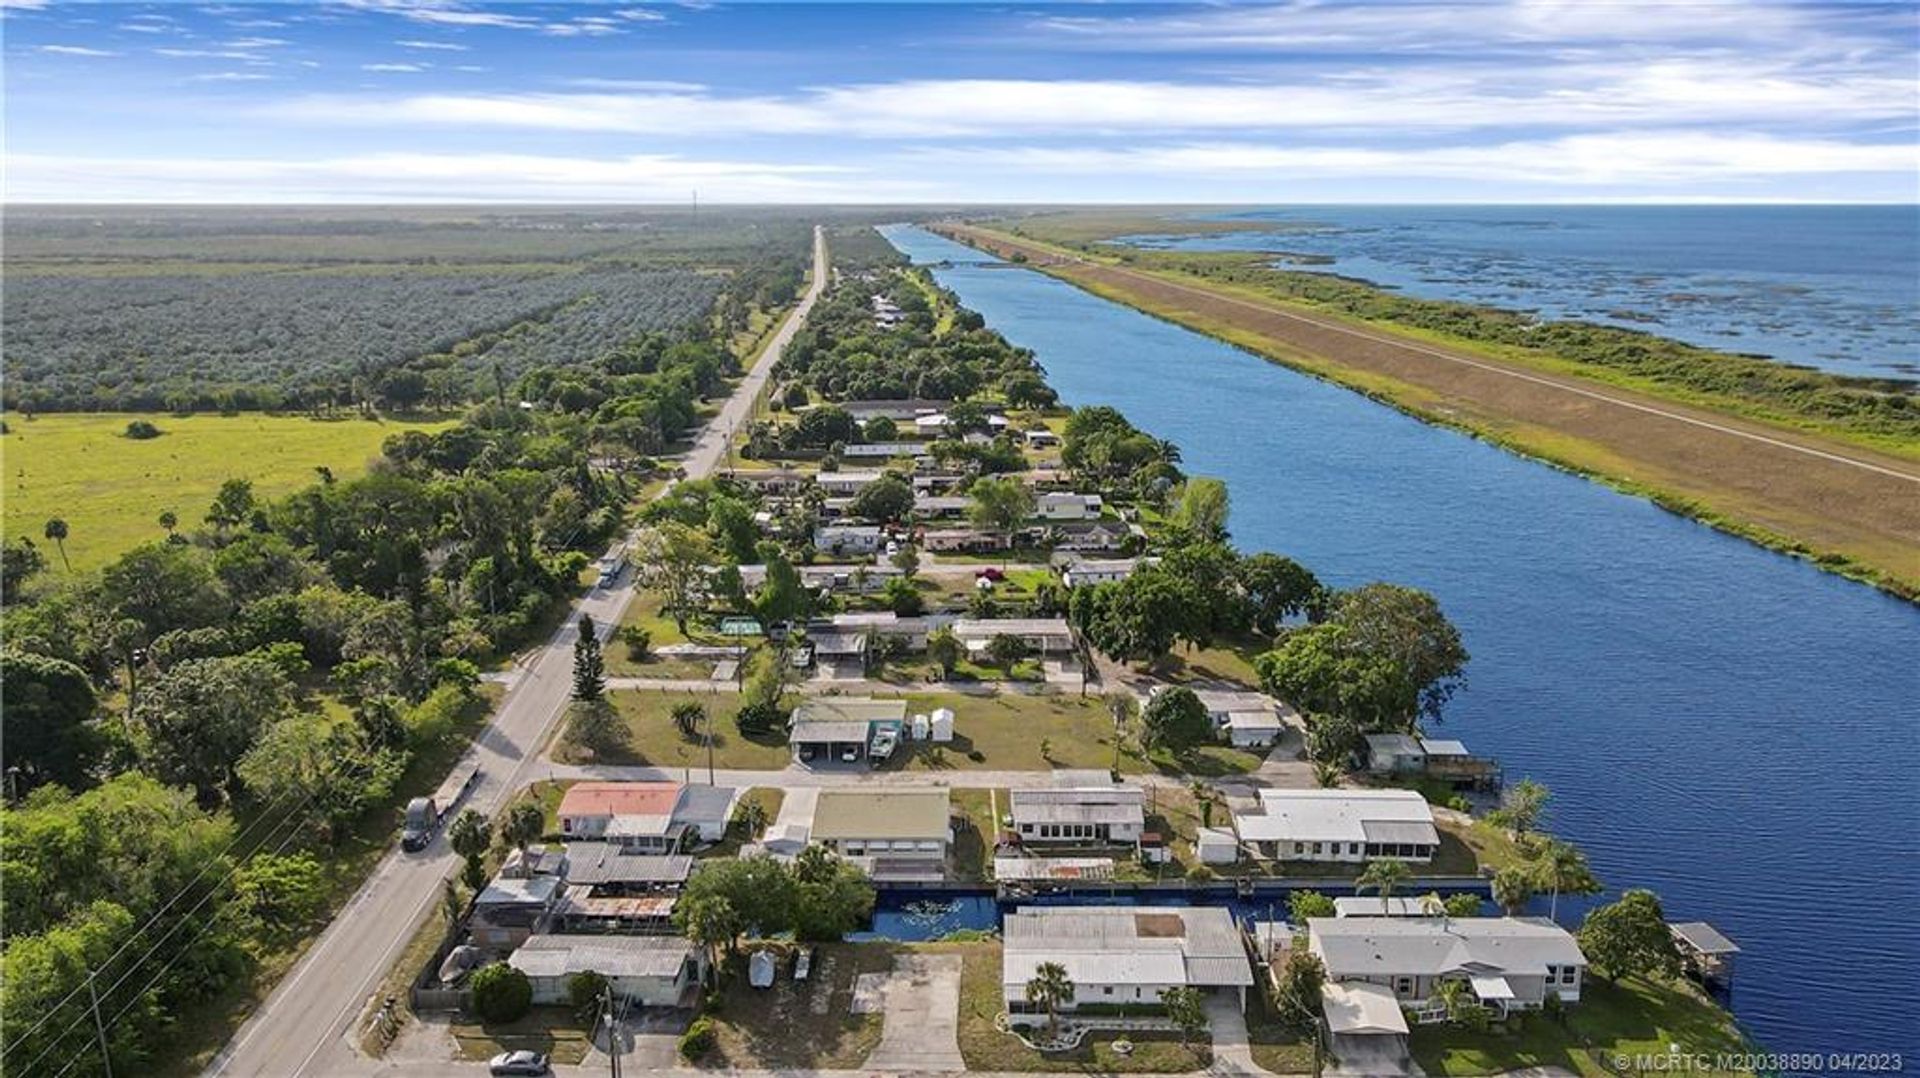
[[922, 1031]]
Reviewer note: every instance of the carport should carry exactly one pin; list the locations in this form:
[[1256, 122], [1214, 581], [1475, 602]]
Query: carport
[[828, 741], [1369, 1032]]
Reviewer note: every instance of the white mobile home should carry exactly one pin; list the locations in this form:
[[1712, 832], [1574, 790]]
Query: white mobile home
[[1508, 963], [1340, 826], [1121, 954]]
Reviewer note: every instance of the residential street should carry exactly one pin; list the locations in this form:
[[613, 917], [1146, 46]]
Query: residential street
[[304, 1026]]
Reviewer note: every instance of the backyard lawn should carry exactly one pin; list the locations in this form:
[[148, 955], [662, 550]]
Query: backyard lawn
[[1016, 732], [987, 1048], [1627, 1019], [809, 1025], [973, 846]]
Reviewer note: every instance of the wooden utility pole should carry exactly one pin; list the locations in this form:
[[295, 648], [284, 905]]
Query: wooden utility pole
[[99, 1028]]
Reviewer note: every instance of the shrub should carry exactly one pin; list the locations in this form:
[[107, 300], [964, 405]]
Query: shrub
[[501, 993], [758, 718], [1199, 873], [637, 640], [698, 1040], [141, 430]]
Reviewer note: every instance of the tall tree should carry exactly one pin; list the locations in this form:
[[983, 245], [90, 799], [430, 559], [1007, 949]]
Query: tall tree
[[522, 825], [56, 532], [203, 715], [1629, 938], [1187, 1009], [672, 559], [1385, 877], [1203, 508], [45, 705], [999, 505], [1175, 720], [1051, 988], [1276, 588], [470, 836], [589, 665]]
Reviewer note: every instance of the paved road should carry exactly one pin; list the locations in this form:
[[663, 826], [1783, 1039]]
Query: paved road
[[302, 1027]]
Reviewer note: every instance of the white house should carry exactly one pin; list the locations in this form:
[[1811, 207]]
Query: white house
[[1246, 719], [1085, 572], [646, 817], [1043, 636], [653, 971], [1121, 954], [891, 409], [1063, 505], [1090, 535], [1340, 825], [847, 538], [847, 481], [1080, 809], [963, 540], [884, 450], [1041, 437], [1508, 963]]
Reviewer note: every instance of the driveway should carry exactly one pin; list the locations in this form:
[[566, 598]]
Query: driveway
[[1228, 1026], [1371, 1056], [922, 1031]]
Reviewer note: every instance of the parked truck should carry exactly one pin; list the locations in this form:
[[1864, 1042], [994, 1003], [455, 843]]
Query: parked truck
[[425, 814]]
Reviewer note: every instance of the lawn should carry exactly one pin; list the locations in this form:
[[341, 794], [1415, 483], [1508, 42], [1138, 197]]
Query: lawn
[[973, 846], [1016, 732], [810, 1025], [1277, 1046], [769, 798], [111, 489], [652, 739], [1611, 1020], [987, 1048], [552, 1030]]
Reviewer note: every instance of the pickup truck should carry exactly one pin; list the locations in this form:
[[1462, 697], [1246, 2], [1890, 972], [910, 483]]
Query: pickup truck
[[425, 814]]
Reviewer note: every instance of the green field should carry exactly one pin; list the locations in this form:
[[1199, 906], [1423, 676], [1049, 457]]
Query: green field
[[110, 489]]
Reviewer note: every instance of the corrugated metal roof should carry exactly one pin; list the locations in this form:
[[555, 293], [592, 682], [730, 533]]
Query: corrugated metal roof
[[603, 862], [564, 954], [1429, 946], [820, 733], [860, 708]]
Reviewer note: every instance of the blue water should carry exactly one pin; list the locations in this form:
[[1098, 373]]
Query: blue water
[[1730, 727], [1836, 287]]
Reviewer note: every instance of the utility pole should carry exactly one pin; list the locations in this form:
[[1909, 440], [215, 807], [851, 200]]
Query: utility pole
[[99, 1028], [613, 1029], [710, 781]]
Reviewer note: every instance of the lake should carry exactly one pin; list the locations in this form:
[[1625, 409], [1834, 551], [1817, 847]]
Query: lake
[[1836, 287], [1728, 726]]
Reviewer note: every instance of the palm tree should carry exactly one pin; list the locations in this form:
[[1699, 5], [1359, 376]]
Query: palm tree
[[1512, 887], [1561, 866], [687, 717], [56, 531], [1202, 797], [753, 816], [1452, 994], [1050, 988], [1121, 705], [1385, 877]]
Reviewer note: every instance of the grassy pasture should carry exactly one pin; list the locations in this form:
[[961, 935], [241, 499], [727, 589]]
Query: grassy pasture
[[110, 489]]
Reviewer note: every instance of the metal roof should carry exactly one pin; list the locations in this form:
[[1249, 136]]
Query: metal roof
[[1703, 937], [829, 731], [991, 627], [564, 954], [1155, 945], [1430, 946], [849, 708], [1359, 1007], [1336, 816], [881, 814], [605, 862], [620, 799]]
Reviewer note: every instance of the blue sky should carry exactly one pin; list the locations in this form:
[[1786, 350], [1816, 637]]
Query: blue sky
[[446, 100]]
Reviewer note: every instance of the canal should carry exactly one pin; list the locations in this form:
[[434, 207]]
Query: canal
[[1728, 726]]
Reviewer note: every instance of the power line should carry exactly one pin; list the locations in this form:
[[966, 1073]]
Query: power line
[[155, 979], [157, 914], [285, 841]]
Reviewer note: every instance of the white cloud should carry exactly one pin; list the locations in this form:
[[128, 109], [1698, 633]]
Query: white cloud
[[394, 67], [640, 14], [76, 50], [443, 46], [232, 76], [208, 54], [403, 177], [1399, 100], [445, 13], [255, 43]]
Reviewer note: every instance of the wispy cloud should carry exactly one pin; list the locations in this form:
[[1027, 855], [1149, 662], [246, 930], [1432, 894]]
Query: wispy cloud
[[446, 13], [208, 54], [256, 43], [640, 14], [443, 46], [1398, 101], [75, 50], [232, 76], [394, 67]]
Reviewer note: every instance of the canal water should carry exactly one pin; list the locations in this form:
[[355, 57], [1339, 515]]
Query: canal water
[[1728, 726]]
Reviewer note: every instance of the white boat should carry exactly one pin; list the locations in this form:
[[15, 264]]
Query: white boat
[[760, 969]]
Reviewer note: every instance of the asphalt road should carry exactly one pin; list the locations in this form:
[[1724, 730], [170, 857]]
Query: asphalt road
[[305, 1026]]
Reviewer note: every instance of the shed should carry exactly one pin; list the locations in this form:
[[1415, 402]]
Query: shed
[[942, 724], [1216, 846], [922, 726]]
